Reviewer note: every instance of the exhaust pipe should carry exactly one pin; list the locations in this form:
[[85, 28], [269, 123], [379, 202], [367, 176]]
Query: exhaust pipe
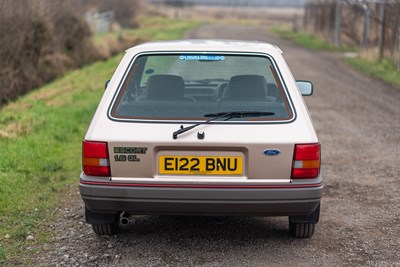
[[124, 220]]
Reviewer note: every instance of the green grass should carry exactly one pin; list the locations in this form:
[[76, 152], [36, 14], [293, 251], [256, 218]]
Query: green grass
[[384, 70], [40, 146], [41, 153], [308, 40]]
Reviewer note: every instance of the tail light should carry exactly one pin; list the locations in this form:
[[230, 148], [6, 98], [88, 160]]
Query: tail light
[[306, 161], [95, 159]]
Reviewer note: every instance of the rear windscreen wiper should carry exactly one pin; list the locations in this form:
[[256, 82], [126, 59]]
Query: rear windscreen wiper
[[207, 81], [227, 115], [239, 114]]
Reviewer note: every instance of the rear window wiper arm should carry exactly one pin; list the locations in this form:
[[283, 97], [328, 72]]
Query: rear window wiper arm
[[227, 115]]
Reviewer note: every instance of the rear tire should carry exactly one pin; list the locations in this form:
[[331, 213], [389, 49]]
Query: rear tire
[[301, 230], [105, 229]]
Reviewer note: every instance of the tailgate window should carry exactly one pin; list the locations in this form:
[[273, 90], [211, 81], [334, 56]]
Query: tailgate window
[[188, 86]]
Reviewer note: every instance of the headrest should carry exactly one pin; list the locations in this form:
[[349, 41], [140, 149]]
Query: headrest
[[165, 86], [247, 86]]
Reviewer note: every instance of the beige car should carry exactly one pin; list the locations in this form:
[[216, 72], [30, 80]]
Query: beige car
[[202, 127]]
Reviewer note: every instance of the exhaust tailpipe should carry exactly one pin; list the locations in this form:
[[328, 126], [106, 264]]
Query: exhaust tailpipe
[[124, 220]]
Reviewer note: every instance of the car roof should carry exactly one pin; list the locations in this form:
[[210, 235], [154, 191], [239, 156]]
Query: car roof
[[207, 45]]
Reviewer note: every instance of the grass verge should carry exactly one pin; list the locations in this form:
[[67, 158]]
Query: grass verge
[[40, 146], [384, 70], [151, 29], [308, 40]]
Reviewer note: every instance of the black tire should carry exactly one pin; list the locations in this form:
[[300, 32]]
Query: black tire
[[301, 230], [105, 229]]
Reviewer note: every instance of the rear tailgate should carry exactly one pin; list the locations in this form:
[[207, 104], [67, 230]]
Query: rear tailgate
[[248, 152]]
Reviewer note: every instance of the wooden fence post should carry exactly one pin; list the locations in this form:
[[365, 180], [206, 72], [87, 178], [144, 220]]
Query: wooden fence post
[[336, 36], [398, 50], [381, 30], [366, 25]]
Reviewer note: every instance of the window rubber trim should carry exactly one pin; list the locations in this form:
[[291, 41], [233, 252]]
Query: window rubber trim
[[113, 102]]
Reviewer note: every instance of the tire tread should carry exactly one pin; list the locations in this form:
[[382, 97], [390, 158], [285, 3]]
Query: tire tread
[[301, 230], [105, 229]]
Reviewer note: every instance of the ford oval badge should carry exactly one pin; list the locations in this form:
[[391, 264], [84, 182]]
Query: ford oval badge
[[271, 152]]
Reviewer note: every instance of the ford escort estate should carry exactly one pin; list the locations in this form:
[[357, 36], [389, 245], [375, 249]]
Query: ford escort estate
[[202, 127]]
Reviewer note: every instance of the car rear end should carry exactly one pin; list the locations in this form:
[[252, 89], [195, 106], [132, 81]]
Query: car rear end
[[155, 149]]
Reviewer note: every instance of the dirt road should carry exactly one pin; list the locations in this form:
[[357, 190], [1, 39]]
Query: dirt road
[[358, 122]]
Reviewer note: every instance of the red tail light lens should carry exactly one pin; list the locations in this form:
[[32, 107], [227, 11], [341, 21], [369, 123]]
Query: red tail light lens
[[95, 158], [306, 161]]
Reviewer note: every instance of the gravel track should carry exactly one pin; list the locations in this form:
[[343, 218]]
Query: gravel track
[[358, 122]]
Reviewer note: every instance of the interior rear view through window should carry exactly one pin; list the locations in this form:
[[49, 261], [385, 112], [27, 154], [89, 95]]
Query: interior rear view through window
[[195, 86]]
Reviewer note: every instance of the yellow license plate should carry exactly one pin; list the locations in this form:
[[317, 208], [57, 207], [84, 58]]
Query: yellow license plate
[[200, 165]]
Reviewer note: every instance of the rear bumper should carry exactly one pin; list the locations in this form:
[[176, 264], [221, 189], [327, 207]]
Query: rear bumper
[[181, 200]]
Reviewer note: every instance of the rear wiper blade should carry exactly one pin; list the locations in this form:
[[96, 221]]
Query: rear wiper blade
[[207, 81], [227, 115], [239, 114]]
